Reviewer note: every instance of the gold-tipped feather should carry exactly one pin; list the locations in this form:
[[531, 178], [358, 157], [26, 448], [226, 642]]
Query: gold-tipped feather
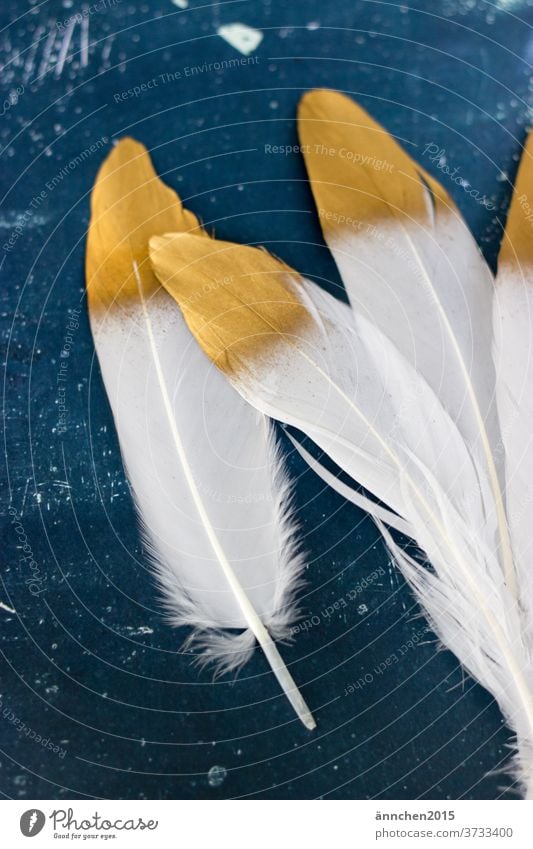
[[237, 300], [358, 172], [129, 204], [517, 245], [240, 303], [397, 236], [141, 342]]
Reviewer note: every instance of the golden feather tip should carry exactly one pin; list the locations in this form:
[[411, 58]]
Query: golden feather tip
[[237, 300]]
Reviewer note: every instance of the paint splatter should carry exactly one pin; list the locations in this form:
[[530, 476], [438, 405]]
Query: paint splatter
[[242, 38], [217, 776]]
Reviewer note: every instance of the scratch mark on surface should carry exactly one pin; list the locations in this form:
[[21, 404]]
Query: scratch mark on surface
[[48, 47], [106, 50], [30, 61], [84, 41], [64, 48], [24, 497], [62, 484]]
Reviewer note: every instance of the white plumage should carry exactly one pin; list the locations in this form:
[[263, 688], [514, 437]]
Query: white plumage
[[208, 482], [406, 407], [212, 497]]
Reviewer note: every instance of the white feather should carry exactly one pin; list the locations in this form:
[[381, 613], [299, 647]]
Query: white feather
[[360, 399], [427, 288], [412, 268], [513, 355], [211, 493]]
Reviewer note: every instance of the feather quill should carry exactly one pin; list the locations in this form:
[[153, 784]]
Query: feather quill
[[361, 399], [211, 493]]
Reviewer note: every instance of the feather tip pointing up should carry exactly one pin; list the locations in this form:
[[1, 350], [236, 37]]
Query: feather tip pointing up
[[212, 501]]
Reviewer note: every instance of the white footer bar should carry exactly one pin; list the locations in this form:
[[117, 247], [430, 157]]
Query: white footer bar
[[267, 824]]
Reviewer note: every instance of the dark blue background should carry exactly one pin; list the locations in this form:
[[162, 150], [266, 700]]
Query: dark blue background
[[89, 662]]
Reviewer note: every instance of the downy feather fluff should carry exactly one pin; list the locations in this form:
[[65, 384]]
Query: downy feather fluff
[[211, 493], [381, 413]]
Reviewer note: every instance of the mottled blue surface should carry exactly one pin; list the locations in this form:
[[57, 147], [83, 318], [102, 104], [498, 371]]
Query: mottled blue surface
[[87, 661]]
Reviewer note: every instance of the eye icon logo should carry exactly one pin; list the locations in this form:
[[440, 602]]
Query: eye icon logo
[[32, 822]]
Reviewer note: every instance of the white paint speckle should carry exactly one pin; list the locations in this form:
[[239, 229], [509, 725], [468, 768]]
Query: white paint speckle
[[241, 37], [181, 4]]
